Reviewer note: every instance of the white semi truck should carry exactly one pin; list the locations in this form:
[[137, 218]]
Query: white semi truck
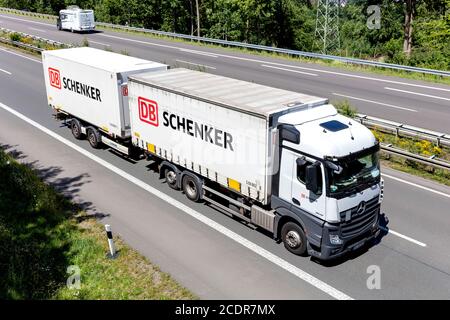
[[280, 160], [75, 19]]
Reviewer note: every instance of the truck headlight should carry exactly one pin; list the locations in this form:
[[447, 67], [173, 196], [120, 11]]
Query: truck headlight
[[334, 239]]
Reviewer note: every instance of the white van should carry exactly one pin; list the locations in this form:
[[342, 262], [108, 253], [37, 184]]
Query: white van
[[75, 19]]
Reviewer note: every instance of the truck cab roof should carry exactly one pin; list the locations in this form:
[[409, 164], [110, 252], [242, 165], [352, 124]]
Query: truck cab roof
[[325, 133]]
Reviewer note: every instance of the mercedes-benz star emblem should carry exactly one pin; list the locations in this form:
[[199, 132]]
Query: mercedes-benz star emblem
[[361, 207]]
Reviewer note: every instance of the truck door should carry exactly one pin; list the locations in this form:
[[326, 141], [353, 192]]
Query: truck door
[[301, 198]]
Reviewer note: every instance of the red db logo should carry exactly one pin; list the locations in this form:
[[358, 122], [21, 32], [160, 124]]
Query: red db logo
[[55, 78], [148, 111]]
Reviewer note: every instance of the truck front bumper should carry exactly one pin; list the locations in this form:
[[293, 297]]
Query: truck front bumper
[[329, 251]]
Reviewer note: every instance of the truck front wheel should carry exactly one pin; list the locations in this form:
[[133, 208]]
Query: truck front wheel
[[75, 127], [294, 238]]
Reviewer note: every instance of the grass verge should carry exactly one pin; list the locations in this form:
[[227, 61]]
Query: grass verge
[[331, 63], [42, 234]]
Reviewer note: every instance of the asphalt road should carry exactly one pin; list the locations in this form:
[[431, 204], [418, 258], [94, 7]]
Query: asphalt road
[[205, 250], [417, 103]]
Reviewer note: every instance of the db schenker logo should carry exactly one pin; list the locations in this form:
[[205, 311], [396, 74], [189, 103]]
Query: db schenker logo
[[55, 78], [148, 111]]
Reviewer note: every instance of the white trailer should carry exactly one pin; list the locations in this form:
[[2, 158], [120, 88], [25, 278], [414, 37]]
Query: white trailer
[[281, 160], [75, 19], [201, 123], [89, 86]]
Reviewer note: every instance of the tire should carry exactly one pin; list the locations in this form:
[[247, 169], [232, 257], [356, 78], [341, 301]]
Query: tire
[[75, 127], [58, 26], [171, 178], [94, 138], [191, 188], [294, 238]]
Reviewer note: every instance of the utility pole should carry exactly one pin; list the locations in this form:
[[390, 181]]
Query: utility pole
[[327, 26]]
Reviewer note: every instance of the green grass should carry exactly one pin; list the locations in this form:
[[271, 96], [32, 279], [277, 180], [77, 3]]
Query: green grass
[[312, 61], [42, 234], [436, 175]]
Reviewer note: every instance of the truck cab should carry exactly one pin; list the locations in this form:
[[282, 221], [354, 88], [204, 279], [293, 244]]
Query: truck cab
[[75, 19], [329, 182]]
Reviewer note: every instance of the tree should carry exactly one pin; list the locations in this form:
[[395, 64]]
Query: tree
[[410, 9]]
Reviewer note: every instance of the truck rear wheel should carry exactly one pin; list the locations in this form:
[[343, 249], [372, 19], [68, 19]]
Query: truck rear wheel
[[294, 238], [75, 127], [94, 138], [191, 188], [171, 178]]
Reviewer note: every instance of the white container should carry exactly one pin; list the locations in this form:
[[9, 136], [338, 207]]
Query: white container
[[91, 85], [221, 128]]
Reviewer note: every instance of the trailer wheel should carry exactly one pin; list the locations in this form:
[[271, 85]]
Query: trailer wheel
[[75, 127], [191, 188], [171, 178], [94, 138], [294, 238]]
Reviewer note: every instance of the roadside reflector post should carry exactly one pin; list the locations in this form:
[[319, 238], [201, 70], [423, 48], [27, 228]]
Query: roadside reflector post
[[112, 248]]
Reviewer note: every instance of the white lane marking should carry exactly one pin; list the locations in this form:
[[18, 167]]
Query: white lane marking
[[404, 237], [375, 102], [100, 43], [19, 55], [289, 70], [40, 30], [287, 65], [319, 284], [202, 53], [195, 64], [417, 185], [32, 21], [138, 41], [418, 94], [7, 72]]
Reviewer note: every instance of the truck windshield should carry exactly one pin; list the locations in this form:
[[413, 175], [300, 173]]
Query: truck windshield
[[357, 174]]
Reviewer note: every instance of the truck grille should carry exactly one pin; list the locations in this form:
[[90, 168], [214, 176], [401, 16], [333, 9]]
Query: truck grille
[[360, 221]]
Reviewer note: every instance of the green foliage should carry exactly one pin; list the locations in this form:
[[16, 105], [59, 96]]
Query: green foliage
[[85, 42], [15, 36], [283, 23], [346, 109], [32, 234]]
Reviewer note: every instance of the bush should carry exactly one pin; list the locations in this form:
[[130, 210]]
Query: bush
[[15, 36], [346, 109]]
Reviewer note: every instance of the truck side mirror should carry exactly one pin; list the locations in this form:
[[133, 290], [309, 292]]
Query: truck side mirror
[[312, 177]]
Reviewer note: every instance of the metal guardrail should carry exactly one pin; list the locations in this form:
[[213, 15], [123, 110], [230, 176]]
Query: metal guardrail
[[51, 42], [253, 46], [399, 129], [21, 45], [437, 163]]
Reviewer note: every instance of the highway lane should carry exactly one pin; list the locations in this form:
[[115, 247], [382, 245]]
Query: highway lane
[[413, 102], [197, 259]]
